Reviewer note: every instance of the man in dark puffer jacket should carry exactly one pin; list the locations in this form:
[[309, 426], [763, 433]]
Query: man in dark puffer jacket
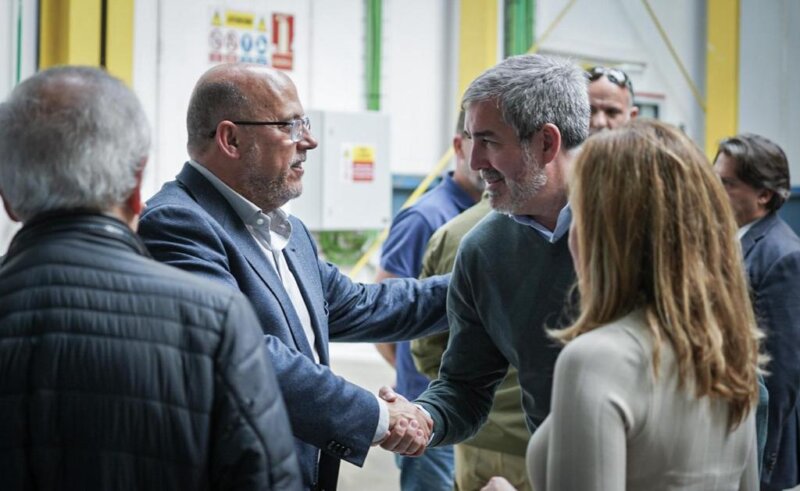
[[117, 372]]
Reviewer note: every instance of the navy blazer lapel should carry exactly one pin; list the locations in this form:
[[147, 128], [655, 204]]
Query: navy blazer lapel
[[218, 207], [302, 270], [757, 232]]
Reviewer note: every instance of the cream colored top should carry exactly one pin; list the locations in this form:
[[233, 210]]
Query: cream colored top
[[613, 427]]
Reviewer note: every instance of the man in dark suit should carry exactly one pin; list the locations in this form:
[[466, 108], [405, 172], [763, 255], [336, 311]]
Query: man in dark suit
[[221, 218], [117, 372], [755, 174]]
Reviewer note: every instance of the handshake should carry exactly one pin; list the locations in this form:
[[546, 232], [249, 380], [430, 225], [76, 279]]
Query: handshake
[[409, 427]]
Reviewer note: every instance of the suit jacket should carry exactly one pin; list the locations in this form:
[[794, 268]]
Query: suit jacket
[[772, 257], [189, 224]]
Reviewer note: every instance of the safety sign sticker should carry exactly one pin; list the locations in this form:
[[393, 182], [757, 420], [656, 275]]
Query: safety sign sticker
[[283, 41], [251, 37], [358, 163]]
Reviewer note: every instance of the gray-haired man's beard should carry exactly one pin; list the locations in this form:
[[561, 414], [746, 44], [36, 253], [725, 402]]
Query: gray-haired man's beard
[[518, 192]]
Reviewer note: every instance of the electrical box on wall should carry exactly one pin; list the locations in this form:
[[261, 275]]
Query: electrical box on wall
[[347, 183]]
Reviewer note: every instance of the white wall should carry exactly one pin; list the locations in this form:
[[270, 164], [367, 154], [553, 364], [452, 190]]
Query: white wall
[[418, 86], [621, 32], [769, 74], [12, 60], [417, 80], [337, 69]]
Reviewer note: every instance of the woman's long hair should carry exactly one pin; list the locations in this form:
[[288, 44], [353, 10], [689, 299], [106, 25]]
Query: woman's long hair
[[655, 232]]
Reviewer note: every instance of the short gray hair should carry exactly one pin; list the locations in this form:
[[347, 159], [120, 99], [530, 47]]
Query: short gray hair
[[533, 90], [70, 138]]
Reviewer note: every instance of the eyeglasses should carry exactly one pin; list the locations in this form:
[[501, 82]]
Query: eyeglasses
[[296, 126], [614, 75]]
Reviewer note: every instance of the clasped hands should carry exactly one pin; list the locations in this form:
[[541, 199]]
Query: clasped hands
[[409, 427]]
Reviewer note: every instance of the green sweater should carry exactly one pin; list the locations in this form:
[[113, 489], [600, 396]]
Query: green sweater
[[505, 429], [508, 285]]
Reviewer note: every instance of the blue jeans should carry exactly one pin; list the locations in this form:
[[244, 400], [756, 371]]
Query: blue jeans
[[432, 471]]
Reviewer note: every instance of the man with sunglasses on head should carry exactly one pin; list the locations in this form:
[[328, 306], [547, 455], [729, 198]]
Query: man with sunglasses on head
[[221, 219], [610, 98]]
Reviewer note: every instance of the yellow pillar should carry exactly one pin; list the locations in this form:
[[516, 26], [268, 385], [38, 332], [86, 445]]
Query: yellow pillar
[[722, 72], [119, 39], [69, 32], [477, 40]]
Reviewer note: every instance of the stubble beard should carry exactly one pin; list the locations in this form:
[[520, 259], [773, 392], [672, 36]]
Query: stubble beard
[[268, 193], [521, 190]]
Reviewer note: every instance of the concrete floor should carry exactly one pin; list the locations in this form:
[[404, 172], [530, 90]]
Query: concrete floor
[[362, 365]]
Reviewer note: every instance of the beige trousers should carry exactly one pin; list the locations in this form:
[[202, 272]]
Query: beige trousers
[[475, 466]]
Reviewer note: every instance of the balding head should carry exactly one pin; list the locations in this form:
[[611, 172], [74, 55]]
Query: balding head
[[610, 97], [233, 91], [247, 126]]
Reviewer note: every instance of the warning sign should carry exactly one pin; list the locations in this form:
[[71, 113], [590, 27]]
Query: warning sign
[[283, 41], [358, 163], [249, 36], [215, 45], [239, 20]]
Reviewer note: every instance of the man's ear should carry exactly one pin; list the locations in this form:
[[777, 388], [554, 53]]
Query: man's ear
[[633, 111], [457, 148], [227, 139], [551, 142], [134, 201], [13, 216], [764, 197]]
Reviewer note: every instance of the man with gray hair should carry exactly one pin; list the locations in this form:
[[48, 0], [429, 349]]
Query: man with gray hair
[[526, 117], [117, 372]]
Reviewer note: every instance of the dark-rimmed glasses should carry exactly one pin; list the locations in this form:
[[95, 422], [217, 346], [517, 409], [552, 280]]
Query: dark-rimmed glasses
[[296, 126], [614, 75]]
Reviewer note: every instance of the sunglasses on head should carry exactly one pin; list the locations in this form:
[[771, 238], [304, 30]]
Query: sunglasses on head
[[614, 75]]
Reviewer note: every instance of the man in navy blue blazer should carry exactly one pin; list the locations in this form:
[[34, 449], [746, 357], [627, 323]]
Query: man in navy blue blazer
[[221, 218], [755, 173]]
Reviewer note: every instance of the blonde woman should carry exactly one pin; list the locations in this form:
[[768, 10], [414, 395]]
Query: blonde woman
[[656, 387]]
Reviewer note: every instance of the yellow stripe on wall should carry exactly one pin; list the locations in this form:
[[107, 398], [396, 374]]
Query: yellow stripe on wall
[[477, 40], [722, 72], [69, 32], [119, 39]]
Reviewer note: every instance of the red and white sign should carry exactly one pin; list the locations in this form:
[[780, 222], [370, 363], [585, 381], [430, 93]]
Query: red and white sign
[[358, 163], [283, 41]]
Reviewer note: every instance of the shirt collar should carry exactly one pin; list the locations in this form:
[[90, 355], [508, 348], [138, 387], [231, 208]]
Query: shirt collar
[[746, 228], [462, 199], [274, 225], [562, 224]]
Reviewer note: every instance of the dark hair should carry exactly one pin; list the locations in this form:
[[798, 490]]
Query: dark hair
[[760, 163], [212, 102]]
